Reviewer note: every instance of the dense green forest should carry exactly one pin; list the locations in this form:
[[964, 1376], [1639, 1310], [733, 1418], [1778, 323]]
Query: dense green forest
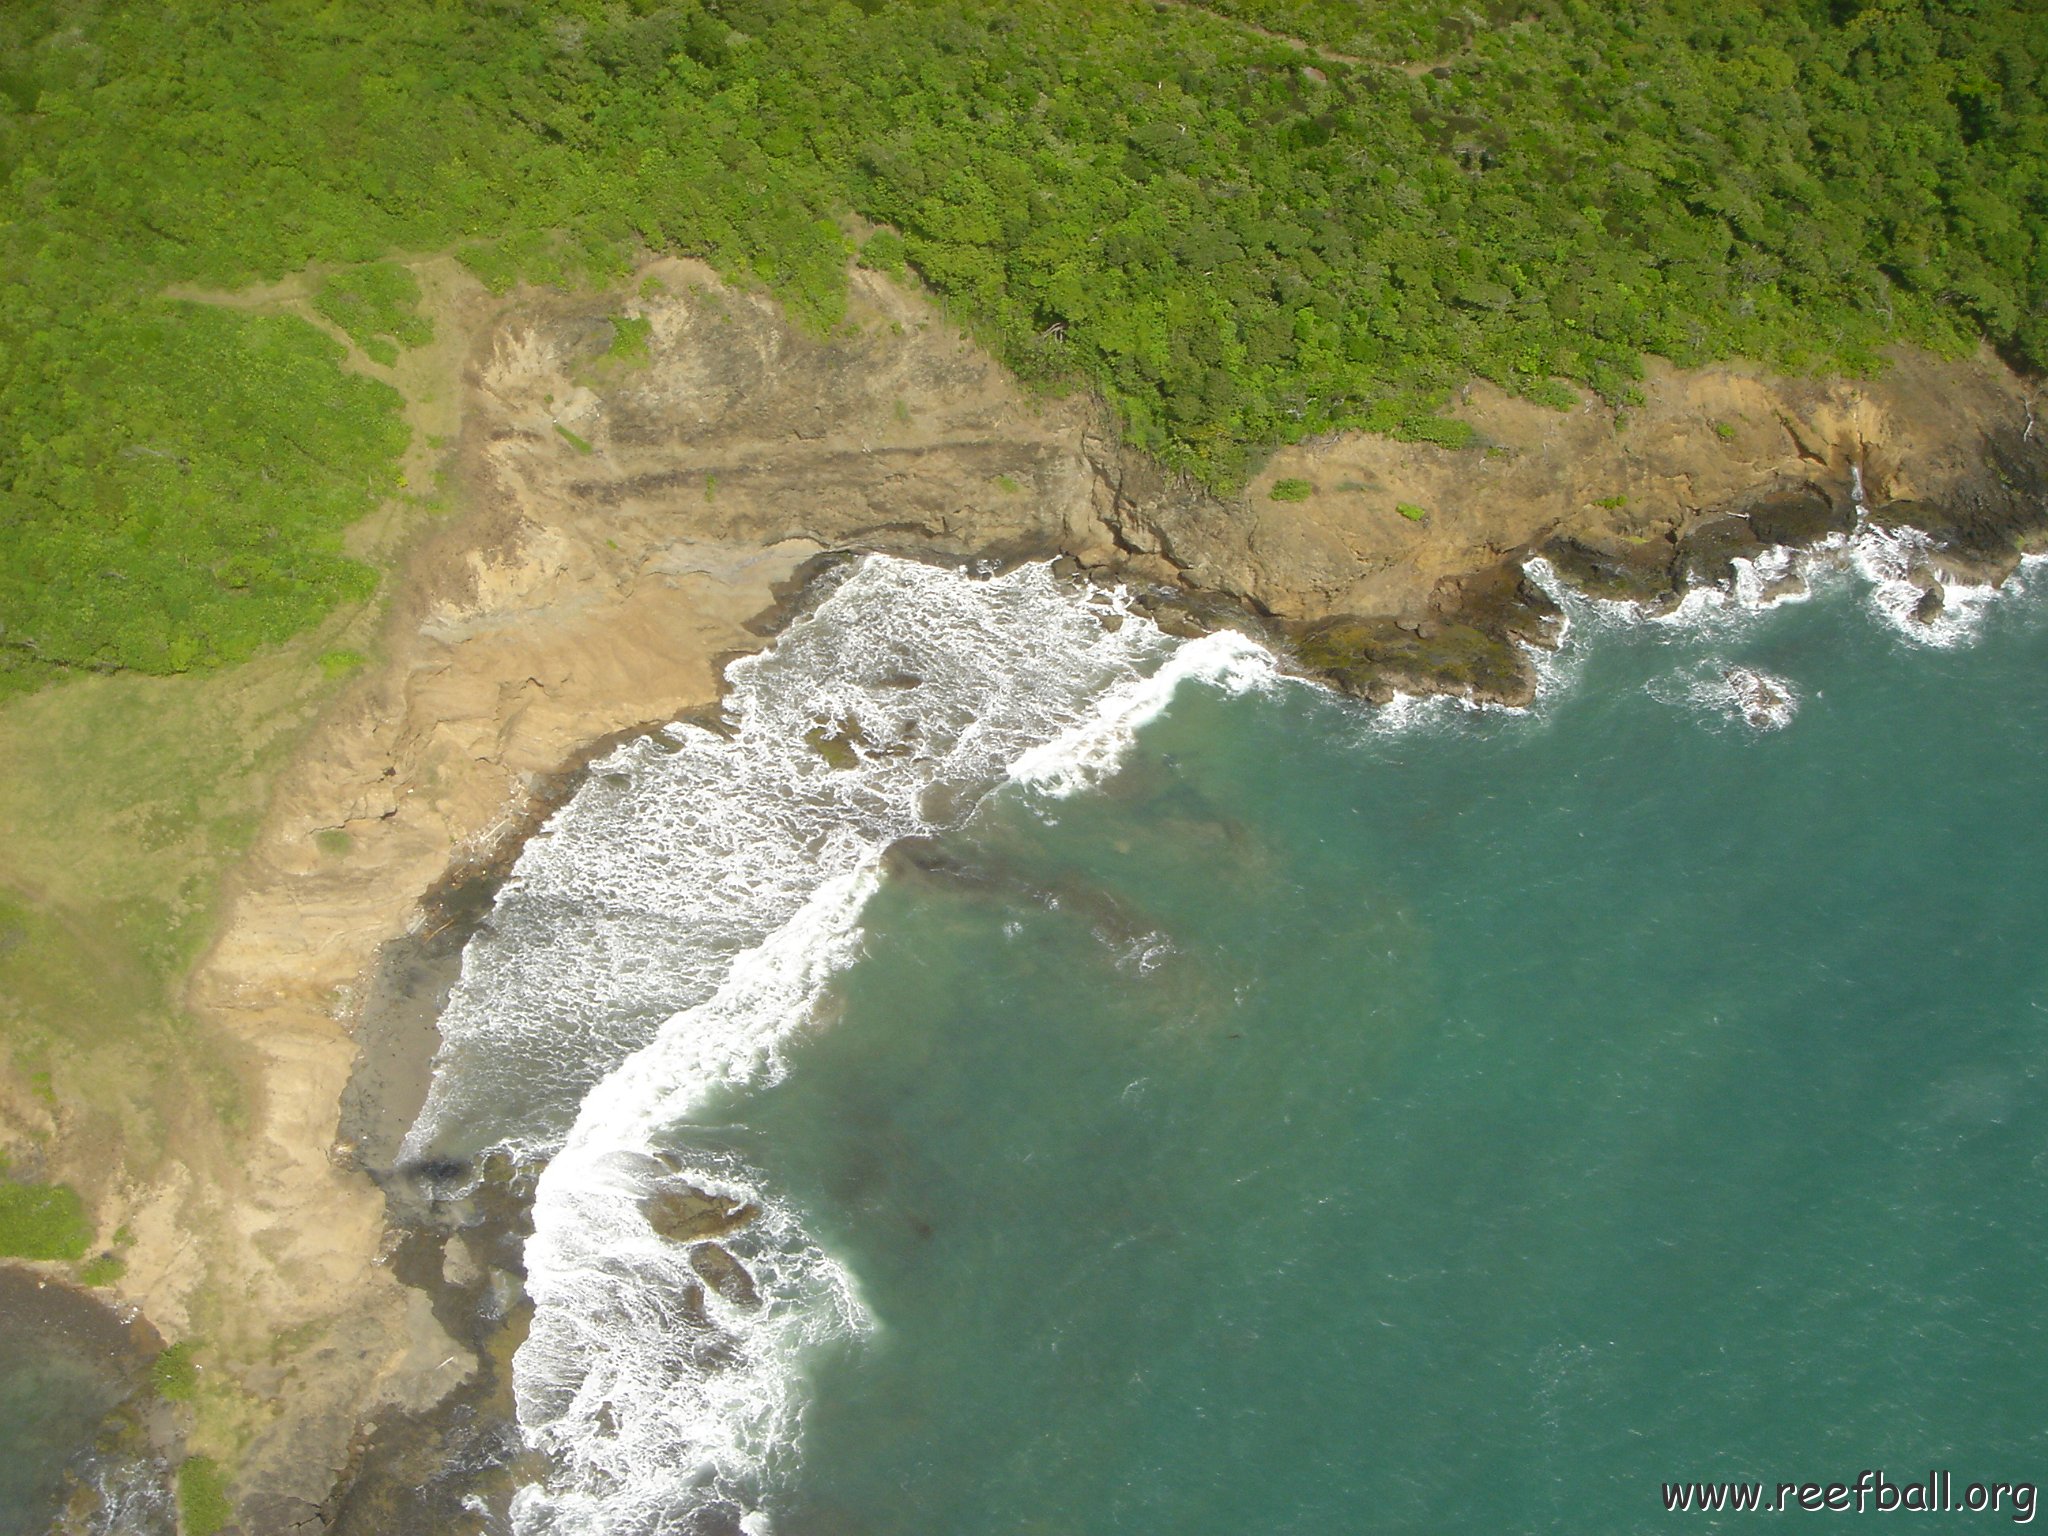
[[1243, 223]]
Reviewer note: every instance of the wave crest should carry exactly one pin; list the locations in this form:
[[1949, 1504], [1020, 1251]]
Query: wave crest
[[666, 936]]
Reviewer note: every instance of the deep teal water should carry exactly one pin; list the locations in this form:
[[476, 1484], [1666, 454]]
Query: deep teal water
[[1465, 1129]]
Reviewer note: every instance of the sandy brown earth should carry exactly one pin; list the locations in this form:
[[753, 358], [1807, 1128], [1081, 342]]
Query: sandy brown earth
[[622, 527]]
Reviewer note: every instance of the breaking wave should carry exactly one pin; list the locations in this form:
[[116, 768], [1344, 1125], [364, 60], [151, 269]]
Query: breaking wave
[[667, 934], [670, 931], [1902, 585], [1725, 693]]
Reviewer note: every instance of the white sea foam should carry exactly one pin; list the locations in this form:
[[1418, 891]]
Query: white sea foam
[[131, 1497], [1089, 751], [685, 849], [654, 1394], [1774, 578], [667, 934], [1409, 713], [1897, 567], [1721, 693], [1899, 564]]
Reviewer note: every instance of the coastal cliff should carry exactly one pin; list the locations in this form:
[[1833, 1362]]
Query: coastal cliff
[[627, 520]]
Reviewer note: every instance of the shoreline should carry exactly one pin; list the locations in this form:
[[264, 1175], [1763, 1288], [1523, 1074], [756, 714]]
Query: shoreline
[[410, 1458], [110, 1348], [579, 596]]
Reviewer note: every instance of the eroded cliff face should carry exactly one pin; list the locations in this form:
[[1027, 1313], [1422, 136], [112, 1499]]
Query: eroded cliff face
[[1713, 465], [1397, 569], [624, 529], [627, 524]]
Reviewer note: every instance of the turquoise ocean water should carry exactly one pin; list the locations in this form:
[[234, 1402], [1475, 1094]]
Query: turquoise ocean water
[[1465, 1129], [1312, 1125]]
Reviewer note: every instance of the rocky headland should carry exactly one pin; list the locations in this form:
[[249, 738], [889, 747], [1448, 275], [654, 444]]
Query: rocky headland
[[625, 524]]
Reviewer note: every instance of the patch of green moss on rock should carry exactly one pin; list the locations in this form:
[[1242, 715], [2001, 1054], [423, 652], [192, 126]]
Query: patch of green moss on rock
[[203, 1505], [42, 1221], [174, 1375]]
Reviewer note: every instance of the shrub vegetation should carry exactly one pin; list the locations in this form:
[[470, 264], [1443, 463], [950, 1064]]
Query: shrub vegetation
[[378, 305], [1241, 238]]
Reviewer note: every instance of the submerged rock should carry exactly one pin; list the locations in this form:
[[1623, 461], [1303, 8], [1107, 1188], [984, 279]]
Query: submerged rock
[[838, 742], [1765, 703]]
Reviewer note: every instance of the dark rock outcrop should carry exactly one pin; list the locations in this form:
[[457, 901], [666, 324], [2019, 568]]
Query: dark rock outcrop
[[682, 1213], [1375, 659], [1634, 571], [727, 1277], [1800, 517], [1708, 551]]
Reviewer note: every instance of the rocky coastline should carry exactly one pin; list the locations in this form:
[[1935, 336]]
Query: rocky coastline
[[628, 528]]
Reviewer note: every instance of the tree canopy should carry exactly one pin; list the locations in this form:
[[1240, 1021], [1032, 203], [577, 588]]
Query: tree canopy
[[1243, 222]]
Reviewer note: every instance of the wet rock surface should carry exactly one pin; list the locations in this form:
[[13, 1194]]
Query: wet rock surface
[[684, 1213], [1375, 659], [1978, 533], [746, 459], [1708, 551], [1763, 701], [1800, 517], [1473, 642], [121, 1483], [727, 1277], [411, 1471], [1639, 571]]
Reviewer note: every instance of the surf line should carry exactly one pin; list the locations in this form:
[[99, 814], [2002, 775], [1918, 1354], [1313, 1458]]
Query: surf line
[[664, 939]]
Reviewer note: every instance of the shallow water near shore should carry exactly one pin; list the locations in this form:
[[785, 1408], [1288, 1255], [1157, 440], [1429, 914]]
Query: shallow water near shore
[[1313, 1125], [65, 1362], [1470, 1128]]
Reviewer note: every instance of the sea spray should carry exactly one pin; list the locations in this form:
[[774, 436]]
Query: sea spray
[[905, 692], [664, 937], [1896, 566]]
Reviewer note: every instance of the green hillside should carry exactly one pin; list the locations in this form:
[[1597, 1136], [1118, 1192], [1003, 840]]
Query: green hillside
[[1239, 239]]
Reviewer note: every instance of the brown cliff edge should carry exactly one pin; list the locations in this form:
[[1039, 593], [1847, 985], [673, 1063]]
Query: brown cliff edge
[[627, 527]]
